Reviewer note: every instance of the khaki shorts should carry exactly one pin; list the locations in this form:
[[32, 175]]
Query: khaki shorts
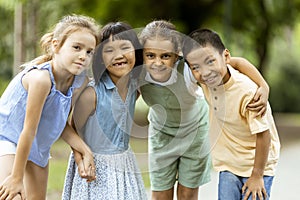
[[7, 148]]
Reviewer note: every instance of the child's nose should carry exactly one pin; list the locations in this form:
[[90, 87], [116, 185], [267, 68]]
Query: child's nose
[[83, 55], [119, 54], [205, 72], [158, 61]]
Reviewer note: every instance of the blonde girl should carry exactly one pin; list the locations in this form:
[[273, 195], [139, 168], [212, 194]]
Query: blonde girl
[[35, 107]]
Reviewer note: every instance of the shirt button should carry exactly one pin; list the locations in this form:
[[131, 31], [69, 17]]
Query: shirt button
[[215, 89], [216, 98], [215, 108]]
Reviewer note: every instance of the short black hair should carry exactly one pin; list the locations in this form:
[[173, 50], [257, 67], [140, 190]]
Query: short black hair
[[202, 38]]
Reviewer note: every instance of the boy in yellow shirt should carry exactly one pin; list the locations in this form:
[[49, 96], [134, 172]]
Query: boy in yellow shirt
[[247, 145]]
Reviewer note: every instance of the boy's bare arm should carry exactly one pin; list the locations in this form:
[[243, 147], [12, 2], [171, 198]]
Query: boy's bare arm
[[255, 184]]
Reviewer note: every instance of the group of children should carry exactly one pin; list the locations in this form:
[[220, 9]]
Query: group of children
[[195, 92]]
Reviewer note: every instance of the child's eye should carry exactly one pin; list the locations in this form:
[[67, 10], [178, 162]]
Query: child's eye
[[150, 56], [76, 47], [91, 52], [107, 50], [166, 56], [195, 67], [126, 47], [210, 61]]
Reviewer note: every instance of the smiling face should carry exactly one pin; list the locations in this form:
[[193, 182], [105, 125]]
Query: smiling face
[[118, 57], [159, 58], [209, 66]]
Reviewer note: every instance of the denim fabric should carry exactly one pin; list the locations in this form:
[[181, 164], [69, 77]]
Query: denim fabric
[[110, 132], [230, 186]]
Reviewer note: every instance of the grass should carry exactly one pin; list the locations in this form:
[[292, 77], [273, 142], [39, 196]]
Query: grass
[[140, 147], [60, 152], [3, 84]]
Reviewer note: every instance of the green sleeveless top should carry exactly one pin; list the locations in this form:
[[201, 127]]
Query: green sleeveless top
[[173, 110]]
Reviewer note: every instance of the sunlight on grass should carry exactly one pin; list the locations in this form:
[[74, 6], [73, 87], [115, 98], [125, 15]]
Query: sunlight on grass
[[57, 175]]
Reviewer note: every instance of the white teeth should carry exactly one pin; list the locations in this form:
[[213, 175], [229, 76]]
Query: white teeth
[[208, 80], [158, 69], [119, 64]]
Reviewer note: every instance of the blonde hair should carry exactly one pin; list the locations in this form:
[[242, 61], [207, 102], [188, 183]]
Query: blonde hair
[[61, 31]]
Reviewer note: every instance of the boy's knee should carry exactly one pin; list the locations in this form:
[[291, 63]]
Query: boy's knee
[[230, 186]]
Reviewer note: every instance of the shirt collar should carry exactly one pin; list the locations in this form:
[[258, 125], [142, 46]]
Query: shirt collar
[[109, 84]]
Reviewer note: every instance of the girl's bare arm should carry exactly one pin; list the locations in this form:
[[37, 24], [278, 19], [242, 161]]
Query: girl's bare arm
[[84, 107], [38, 84]]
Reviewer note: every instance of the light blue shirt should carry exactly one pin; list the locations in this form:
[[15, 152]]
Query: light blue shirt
[[53, 119], [108, 130]]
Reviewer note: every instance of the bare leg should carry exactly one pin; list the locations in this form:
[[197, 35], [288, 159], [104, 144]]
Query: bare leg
[[35, 182], [6, 163], [184, 193], [163, 195]]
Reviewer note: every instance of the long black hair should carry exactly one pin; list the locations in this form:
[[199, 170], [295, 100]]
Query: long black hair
[[118, 31]]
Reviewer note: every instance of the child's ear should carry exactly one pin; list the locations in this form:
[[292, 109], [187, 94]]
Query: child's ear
[[227, 56], [55, 45]]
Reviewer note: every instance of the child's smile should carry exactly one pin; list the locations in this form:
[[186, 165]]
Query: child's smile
[[208, 66]]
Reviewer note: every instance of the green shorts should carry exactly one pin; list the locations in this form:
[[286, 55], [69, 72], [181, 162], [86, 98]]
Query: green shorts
[[179, 159]]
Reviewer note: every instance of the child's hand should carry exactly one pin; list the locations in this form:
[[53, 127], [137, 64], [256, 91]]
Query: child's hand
[[259, 102], [89, 167], [255, 186], [81, 170], [86, 166], [11, 188]]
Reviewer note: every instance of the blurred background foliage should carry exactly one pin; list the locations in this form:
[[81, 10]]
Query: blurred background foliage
[[266, 32]]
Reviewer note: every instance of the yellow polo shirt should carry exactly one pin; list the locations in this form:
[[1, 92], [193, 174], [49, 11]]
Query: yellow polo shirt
[[233, 128]]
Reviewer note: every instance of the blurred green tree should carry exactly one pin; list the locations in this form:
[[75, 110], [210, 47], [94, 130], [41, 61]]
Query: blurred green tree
[[255, 22], [248, 27], [259, 20]]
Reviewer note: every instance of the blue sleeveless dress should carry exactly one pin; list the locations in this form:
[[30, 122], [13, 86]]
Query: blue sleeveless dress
[[53, 119]]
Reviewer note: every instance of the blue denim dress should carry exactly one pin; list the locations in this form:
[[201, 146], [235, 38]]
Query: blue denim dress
[[114, 118], [53, 119], [107, 133]]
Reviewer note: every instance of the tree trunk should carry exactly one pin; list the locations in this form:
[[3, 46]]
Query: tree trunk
[[31, 29], [18, 38], [262, 41]]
